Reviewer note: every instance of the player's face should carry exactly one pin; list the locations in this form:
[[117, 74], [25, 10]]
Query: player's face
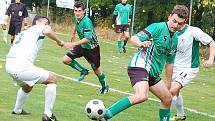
[[175, 23], [124, 1], [79, 13], [42, 21]]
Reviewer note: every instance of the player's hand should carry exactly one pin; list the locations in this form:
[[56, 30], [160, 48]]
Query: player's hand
[[145, 44], [208, 63], [61, 43], [113, 26]]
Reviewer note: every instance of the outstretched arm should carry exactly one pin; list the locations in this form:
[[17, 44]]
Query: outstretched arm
[[48, 32], [208, 63]]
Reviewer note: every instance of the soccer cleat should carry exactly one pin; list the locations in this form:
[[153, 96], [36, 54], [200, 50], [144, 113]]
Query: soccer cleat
[[82, 75], [22, 113], [46, 118], [178, 118], [104, 90]]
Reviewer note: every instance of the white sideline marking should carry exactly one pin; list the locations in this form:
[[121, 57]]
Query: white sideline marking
[[126, 93]]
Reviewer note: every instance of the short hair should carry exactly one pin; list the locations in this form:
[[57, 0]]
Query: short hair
[[38, 17], [182, 11], [79, 4]]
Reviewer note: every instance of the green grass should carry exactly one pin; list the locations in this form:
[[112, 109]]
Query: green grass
[[72, 97]]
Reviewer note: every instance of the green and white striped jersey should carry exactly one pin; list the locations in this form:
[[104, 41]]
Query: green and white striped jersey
[[85, 29], [123, 12], [187, 55], [161, 51]]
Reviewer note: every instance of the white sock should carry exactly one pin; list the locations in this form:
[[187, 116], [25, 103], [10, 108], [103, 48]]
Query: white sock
[[50, 95], [174, 101], [20, 100], [180, 106]]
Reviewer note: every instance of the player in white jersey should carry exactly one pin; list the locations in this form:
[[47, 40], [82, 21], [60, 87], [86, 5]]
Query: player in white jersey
[[186, 65], [4, 5], [20, 66]]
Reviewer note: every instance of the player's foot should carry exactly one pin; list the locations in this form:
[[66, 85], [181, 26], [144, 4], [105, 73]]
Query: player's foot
[[104, 90], [46, 118], [178, 118], [123, 48], [22, 113], [82, 75]]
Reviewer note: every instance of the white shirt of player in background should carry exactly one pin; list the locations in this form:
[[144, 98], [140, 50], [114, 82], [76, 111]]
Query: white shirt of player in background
[[27, 45], [4, 4], [185, 49]]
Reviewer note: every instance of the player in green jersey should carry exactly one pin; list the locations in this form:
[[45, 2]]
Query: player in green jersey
[[121, 22], [156, 48], [87, 47]]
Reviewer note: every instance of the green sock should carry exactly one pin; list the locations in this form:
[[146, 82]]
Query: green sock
[[125, 43], [119, 106], [74, 64], [164, 114], [102, 80], [119, 44]]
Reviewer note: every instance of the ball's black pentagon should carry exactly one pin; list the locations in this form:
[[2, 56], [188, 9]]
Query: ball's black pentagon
[[100, 111], [95, 102], [89, 110]]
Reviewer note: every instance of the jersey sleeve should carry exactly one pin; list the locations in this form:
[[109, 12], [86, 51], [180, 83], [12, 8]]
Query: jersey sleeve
[[201, 36], [115, 12], [147, 33], [8, 12], [25, 12]]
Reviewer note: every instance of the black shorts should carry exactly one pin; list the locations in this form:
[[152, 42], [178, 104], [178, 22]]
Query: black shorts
[[140, 74], [91, 55], [122, 28], [15, 28]]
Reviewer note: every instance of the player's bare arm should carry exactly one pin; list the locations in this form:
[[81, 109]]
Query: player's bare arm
[[208, 63], [169, 71], [48, 32], [135, 41]]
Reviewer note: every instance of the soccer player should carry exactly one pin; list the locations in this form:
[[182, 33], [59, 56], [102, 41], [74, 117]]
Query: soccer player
[[88, 47], [157, 46], [20, 66], [186, 65], [4, 4], [121, 22], [19, 14]]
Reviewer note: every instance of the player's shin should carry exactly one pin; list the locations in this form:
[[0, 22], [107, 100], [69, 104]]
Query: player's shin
[[74, 64], [50, 95], [118, 107], [20, 100]]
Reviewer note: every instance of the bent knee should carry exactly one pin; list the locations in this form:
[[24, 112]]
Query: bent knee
[[140, 98], [167, 100], [66, 60], [51, 80], [27, 88]]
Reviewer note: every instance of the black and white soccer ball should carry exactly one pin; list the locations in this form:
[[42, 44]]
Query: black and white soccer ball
[[95, 109]]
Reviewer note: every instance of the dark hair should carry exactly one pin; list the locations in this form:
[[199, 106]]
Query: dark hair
[[38, 17], [182, 11], [79, 4]]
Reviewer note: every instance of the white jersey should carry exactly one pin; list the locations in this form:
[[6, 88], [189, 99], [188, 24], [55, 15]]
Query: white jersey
[[27, 44], [187, 55], [4, 5]]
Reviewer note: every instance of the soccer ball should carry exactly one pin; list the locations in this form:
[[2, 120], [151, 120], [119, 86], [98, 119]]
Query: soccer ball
[[95, 109]]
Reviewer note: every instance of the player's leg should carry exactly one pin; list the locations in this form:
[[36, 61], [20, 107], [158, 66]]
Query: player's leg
[[11, 31], [126, 38], [120, 37], [21, 98], [141, 88], [4, 29], [50, 96], [161, 91], [69, 59]]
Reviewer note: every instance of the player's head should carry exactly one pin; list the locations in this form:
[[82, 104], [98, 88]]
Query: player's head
[[40, 20], [178, 17], [79, 10], [124, 1], [17, 1]]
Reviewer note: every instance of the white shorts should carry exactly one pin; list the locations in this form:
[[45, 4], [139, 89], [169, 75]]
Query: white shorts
[[23, 75], [184, 75]]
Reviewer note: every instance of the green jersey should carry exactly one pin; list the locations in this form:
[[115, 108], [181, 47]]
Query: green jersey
[[85, 29], [123, 12], [161, 51]]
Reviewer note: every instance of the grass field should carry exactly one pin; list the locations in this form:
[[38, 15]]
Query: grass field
[[72, 96]]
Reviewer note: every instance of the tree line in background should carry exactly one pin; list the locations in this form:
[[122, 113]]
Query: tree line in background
[[146, 12]]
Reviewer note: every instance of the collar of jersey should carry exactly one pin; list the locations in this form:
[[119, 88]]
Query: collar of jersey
[[183, 30], [78, 21]]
